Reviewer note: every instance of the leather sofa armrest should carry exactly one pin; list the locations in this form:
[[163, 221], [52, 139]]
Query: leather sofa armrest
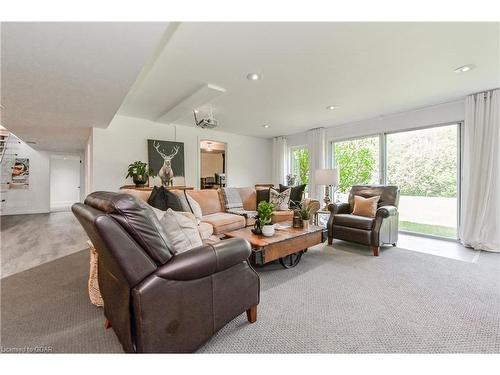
[[341, 208], [386, 211], [205, 260]]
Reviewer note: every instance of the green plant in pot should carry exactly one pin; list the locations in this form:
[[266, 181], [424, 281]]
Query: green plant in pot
[[305, 215], [140, 172], [264, 217]]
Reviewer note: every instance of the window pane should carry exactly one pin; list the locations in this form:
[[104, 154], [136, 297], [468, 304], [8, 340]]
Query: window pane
[[358, 162], [423, 163], [300, 165]]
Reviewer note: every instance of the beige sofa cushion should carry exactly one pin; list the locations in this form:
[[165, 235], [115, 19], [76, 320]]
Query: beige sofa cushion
[[208, 199], [280, 216], [206, 230], [143, 195], [223, 222], [249, 198]]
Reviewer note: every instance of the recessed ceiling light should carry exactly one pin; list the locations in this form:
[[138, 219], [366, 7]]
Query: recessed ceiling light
[[465, 68], [265, 126], [332, 107], [253, 76]]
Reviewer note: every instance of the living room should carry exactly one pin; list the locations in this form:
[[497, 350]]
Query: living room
[[250, 187]]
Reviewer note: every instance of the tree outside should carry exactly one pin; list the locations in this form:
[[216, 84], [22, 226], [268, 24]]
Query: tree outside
[[300, 165], [357, 161]]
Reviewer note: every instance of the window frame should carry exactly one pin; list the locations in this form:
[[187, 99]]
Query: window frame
[[383, 164]]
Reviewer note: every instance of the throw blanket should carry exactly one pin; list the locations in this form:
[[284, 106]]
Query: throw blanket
[[242, 212], [232, 199]]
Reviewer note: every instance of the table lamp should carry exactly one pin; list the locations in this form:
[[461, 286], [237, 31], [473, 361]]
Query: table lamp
[[327, 177]]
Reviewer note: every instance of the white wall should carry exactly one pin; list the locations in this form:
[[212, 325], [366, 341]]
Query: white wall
[[125, 140], [433, 115], [35, 199]]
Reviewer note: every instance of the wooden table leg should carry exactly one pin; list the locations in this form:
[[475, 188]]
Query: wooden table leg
[[252, 314]]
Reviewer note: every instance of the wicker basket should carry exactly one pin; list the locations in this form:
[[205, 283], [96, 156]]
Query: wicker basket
[[94, 292]]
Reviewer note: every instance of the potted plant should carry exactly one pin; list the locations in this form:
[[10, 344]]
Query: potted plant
[[264, 213], [140, 172], [305, 215]]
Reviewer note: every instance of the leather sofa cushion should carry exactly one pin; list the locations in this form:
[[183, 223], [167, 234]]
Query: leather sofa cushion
[[280, 216], [249, 198], [137, 218], [223, 222], [389, 195], [353, 221], [208, 199]]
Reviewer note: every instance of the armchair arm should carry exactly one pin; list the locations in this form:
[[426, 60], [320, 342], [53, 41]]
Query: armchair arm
[[386, 211], [341, 208], [205, 260]]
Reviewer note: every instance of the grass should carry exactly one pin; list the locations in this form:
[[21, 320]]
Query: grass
[[435, 230]]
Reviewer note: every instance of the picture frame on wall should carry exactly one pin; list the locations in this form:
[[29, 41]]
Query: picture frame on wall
[[166, 159]]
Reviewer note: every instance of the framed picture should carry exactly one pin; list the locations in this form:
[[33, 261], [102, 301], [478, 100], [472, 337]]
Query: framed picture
[[166, 159], [20, 178]]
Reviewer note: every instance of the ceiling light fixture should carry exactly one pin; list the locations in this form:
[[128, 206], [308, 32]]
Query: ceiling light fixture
[[265, 126], [465, 68], [253, 76], [332, 107]]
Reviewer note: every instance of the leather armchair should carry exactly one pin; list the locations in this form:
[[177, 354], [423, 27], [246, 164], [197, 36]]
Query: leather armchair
[[374, 232], [157, 301]]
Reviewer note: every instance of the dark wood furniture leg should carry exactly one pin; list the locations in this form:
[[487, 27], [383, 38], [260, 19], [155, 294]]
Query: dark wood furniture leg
[[330, 240], [252, 314], [375, 250], [107, 324]]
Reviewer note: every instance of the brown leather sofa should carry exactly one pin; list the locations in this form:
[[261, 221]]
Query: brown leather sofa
[[155, 300], [374, 232]]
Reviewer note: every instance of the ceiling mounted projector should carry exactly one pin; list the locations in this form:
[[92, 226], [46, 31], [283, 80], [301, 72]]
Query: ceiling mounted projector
[[206, 123]]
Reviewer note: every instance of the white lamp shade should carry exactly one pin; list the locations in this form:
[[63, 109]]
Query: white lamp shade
[[326, 177]]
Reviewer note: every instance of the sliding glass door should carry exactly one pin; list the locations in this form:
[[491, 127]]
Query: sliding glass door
[[358, 161], [424, 164]]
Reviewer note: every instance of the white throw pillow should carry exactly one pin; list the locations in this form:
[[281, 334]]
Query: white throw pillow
[[182, 233], [195, 208], [280, 200]]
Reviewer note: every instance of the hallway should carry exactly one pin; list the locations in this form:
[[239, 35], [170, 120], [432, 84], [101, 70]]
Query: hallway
[[27, 241]]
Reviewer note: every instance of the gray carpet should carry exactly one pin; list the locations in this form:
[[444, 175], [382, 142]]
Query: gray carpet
[[334, 301]]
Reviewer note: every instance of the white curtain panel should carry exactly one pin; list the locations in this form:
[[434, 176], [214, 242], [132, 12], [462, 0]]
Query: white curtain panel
[[480, 215], [280, 160], [316, 141]]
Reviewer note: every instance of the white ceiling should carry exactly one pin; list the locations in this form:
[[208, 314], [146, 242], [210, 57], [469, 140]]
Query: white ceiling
[[61, 79], [368, 69]]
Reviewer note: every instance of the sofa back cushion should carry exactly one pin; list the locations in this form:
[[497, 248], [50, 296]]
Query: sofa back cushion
[[143, 195], [138, 220], [389, 195], [208, 199], [249, 198]]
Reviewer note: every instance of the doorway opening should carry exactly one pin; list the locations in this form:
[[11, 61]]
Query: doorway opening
[[212, 164], [65, 175]]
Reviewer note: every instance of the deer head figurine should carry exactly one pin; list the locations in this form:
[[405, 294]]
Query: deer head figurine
[[166, 173]]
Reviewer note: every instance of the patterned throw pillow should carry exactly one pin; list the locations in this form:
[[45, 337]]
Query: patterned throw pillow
[[280, 200]]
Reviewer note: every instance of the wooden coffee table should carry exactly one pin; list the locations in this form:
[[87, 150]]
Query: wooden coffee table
[[287, 244]]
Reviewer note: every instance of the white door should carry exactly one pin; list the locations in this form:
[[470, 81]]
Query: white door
[[64, 181]]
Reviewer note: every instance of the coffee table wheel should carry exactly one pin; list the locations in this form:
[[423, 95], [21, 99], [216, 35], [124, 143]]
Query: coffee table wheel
[[291, 260]]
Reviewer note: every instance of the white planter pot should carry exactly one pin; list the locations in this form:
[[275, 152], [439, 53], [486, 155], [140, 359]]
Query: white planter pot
[[268, 230], [305, 224]]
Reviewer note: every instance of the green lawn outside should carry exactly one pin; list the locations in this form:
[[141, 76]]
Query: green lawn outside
[[435, 230]]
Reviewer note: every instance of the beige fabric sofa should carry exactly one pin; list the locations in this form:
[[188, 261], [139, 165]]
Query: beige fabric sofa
[[215, 220]]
